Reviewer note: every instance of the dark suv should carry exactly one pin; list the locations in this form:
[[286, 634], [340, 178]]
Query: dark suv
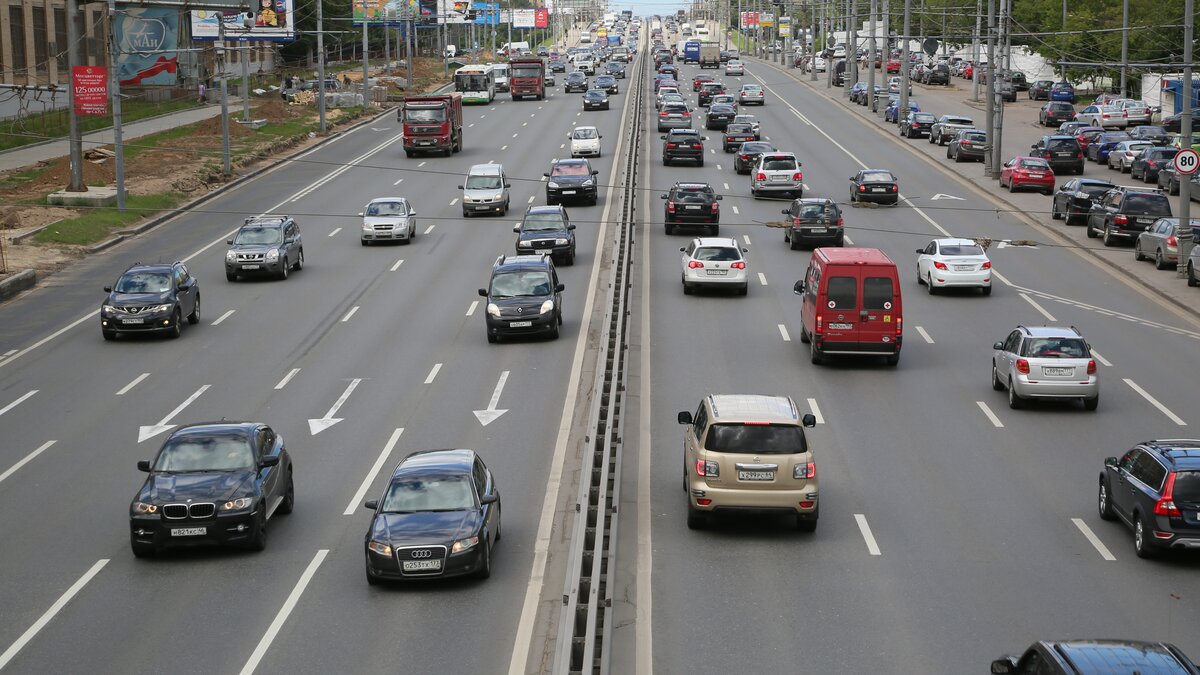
[[571, 180], [1125, 212], [265, 245], [708, 90], [685, 144], [150, 299], [1154, 488], [1062, 153], [524, 297], [692, 203], [1097, 657], [547, 230], [816, 221], [938, 74]]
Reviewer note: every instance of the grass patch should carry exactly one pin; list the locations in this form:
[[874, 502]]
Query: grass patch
[[56, 123], [97, 224], [23, 177]]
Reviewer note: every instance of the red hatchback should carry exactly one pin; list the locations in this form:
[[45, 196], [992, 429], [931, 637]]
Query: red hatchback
[[1086, 135], [893, 65], [699, 80], [1034, 173]]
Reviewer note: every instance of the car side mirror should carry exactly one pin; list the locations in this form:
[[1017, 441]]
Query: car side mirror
[[851, 177], [460, 187], [798, 288], [664, 195], [595, 172], [998, 346], [144, 465], [229, 242], [1003, 666], [570, 227], [920, 251], [809, 420], [547, 174], [412, 213], [483, 292], [684, 417], [488, 499], [682, 249], [786, 212], [507, 185], [516, 228], [560, 288], [1034, 146], [1110, 461], [269, 460], [108, 289], [372, 504], [745, 250]]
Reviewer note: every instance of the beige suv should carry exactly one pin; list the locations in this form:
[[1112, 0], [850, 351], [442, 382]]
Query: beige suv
[[749, 451]]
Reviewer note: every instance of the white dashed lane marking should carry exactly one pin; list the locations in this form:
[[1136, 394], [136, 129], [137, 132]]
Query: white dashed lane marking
[[783, 332], [762, 279], [335, 231], [287, 378], [990, 415], [398, 264], [924, 335], [1093, 539], [224, 316], [1154, 402]]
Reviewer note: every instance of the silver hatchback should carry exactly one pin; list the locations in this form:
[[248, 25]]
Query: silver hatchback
[[777, 173], [1045, 362], [674, 116]]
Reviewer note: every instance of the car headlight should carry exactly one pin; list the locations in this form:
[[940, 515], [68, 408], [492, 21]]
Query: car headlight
[[367, 227], [552, 184], [230, 256], [464, 544], [498, 196], [144, 509], [547, 306], [237, 504], [588, 182], [561, 241], [273, 255], [108, 309], [379, 547], [162, 308], [493, 310]]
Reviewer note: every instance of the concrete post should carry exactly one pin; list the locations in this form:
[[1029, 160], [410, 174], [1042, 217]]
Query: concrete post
[[114, 85], [76, 139], [1185, 129]]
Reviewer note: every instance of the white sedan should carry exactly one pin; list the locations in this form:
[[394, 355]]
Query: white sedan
[[714, 262], [734, 67], [946, 263], [585, 142]]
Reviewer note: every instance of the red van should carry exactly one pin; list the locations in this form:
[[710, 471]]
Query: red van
[[851, 304]]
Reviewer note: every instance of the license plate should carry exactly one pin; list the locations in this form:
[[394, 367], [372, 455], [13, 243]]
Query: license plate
[[1064, 154], [756, 475], [424, 142], [716, 273], [129, 322], [1036, 175], [878, 189], [520, 324], [542, 251], [568, 192], [818, 230], [421, 565], [778, 178], [249, 267], [841, 326], [1059, 371], [189, 531], [963, 268], [693, 207], [482, 208]]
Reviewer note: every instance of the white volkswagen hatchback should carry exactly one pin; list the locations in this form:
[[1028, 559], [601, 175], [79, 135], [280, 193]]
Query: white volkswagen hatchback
[[714, 262]]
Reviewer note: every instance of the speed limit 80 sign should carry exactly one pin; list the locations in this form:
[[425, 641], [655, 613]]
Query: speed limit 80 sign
[[1187, 161]]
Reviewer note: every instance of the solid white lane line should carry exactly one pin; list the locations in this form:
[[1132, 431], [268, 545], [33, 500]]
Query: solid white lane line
[[11, 352], [1004, 280], [453, 201], [1103, 361], [1095, 541], [762, 279], [429, 229], [136, 381], [357, 499], [872, 545], [17, 402], [152, 431], [350, 314], [1039, 308], [644, 640], [784, 333], [1154, 402], [924, 335], [471, 309], [397, 264], [746, 238], [337, 172], [50, 613], [990, 415], [265, 643], [25, 460], [224, 316], [816, 410], [433, 373], [398, 182], [335, 231], [735, 210], [287, 378]]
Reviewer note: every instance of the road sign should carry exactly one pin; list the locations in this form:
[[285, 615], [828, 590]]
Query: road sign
[[1187, 161]]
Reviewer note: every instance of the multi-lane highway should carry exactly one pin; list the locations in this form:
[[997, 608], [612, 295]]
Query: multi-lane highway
[[953, 529]]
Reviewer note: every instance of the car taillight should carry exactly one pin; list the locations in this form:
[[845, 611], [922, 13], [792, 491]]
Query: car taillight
[[695, 265], [744, 157], [899, 325], [708, 469], [670, 146], [716, 207], [986, 266], [1121, 220], [797, 176], [862, 188], [839, 223], [739, 265], [1151, 163], [1022, 366], [687, 114], [671, 207], [963, 144], [760, 176], [1091, 367], [820, 325], [895, 188], [1079, 155], [663, 114], [1172, 241], [803, 471], [1165, 506], [940, 265], [1124, 113]]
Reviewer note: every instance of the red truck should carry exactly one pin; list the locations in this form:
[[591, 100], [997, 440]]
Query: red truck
[[432, 123], [527, 77]]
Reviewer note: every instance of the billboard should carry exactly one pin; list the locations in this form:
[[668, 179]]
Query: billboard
[[749, 18], [147, 39], [541, 18], [274, 21], [766, 19], [523, 18], [453, 11], [91, 89], [486, 13]]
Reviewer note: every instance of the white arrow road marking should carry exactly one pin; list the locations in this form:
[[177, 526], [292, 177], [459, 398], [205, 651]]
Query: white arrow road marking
[[284, 612], [357, 499], [17, 402], [224, 316], [154, 430], [872, 545], [1154, 402], [1095, 541], [316, 426], [942, 196], [25, 460], [136, 381], [50, 613], [490, 415], [287, 378]]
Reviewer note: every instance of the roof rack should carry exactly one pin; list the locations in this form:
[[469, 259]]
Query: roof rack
[[267, 217]]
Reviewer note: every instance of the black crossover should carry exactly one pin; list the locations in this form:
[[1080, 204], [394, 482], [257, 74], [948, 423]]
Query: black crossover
[[150, 299], [524, 297], [1154, 488]]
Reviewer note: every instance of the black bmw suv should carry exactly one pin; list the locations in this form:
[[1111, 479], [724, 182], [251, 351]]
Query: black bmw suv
[[265, 245], [1154, 488], [547, 230], [150, 299], [683, 144], [1125, 212], [692, 203], [212, 483], [571, 180], [524, 297]]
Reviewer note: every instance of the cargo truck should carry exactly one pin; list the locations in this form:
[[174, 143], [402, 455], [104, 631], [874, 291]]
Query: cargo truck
[[527, 77], [432, 123], [691, 52], [710, 55]]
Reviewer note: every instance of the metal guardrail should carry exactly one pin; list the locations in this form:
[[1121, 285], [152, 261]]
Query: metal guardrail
[[585, 624]]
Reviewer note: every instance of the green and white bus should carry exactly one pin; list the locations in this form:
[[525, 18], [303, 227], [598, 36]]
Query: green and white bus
[[477, 83]]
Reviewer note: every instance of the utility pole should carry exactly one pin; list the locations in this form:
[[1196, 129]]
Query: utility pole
[[905, 65], [989, 155], [872, 103], [321, 65], [76, 184], [812, 50], [242, 51], [1125, 46], [997, 142], [114, 84], [852, 49], [227, 161], [1185, 129], [366, 87], [975, 50]]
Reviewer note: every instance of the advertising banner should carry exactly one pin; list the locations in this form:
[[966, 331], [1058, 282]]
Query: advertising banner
[[766, 19], [147, 39], [541, 18], [785, 26], [453, 11], [749, 18], [385, 12], [487, 13], [91, 89], [274, 21], [523, 18]]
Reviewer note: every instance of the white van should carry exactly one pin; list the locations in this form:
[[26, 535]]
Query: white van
[[514, 47], [585, 38], [500, 75]]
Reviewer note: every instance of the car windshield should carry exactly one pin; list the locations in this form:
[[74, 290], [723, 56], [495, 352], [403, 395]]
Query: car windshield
[[585, 132], [1056, 348], [199, 453], [424, 115], [779, 164], [386, 209], [485, 182], [144, 282], [570, 170], [694, 195], [522, 284], [961, 249], [717, 253], [878, 177], [1152, 205], [542, 222], [757, 439], [596, 93], [419, 494], [259, 235], [1062, 144]]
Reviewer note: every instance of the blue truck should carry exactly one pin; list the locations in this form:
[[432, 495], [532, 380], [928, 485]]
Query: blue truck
[[614, 40], [691, 52]]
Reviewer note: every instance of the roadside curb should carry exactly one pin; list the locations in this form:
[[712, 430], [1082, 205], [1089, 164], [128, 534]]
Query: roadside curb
[[1052, 235], [23, 280]]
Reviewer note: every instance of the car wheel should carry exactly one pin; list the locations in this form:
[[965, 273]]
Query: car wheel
[[1091, 403], [929, 284], [109, 335], [807, 523], [696, 519], [814, 353], [141, 550], [1103, 504], [232, 276], [485, 566], [1191, 276], [176, 325], [744, 289], [997, 385], [554, 329], [258, 540], [492, 339], [1091, 232], [700, 162], [283, 269], [1014, 399], [1054, 213], [987, 290], [1141, 544], [793, 243], [299, 261], [804, 337], [1049, 192], [289, 496], [1137, 251], [687, 288], [194, 317], [1107, 237], [1159, 262]]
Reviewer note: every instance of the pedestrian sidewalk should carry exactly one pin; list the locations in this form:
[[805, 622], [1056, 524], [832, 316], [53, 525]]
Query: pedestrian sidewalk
[[30, 155]]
